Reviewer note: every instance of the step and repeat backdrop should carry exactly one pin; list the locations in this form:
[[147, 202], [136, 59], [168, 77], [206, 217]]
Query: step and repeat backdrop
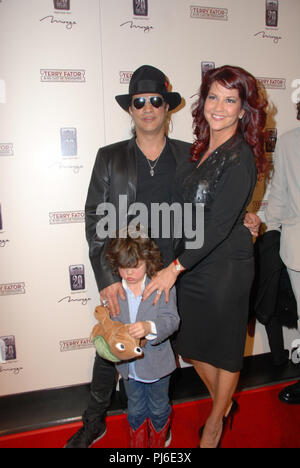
[[61, 64]]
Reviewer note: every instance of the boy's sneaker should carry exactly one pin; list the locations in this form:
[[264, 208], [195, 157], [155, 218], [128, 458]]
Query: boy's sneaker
[[86, 437]]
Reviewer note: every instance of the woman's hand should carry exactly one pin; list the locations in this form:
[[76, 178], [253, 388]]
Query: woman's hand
[[252, 222], [162, 282]]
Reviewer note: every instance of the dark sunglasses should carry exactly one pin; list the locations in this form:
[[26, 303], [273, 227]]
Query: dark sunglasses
[[155, 101]]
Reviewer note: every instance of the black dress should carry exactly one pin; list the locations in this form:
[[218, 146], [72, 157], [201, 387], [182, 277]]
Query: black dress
[[213, 295]]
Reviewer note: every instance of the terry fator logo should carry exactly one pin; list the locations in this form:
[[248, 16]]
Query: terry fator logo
[[125, 76], [12, 289], [62, 76], [67, 217], [75, 344], [271, 83], [210, 13]]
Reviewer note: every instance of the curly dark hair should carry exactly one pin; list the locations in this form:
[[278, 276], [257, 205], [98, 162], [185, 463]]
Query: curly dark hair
[[251, 126], [127, 252]]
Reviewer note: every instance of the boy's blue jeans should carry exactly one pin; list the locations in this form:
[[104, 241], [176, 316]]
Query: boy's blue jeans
[[148, 401]]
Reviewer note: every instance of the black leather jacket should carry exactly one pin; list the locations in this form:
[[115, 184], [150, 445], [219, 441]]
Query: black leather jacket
[[115, 174]]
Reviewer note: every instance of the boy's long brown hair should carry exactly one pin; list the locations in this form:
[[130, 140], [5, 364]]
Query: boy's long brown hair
[[128, 252]]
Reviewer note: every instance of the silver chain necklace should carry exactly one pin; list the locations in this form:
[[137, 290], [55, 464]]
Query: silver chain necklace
[[152, 173]]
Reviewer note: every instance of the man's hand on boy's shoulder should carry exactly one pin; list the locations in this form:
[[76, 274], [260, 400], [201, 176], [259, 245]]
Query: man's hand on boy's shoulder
[[111, 296]]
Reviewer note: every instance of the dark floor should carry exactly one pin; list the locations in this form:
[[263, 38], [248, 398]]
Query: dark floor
[[35, 410]]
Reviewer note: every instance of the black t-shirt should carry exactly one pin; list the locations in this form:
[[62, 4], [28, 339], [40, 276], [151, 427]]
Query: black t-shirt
[[157, 189]]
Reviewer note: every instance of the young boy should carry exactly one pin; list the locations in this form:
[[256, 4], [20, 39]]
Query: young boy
[[147, 379]]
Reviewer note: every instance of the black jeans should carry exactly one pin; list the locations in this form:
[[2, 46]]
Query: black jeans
[[102, 387]]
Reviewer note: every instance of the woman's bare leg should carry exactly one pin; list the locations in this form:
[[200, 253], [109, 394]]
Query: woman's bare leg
[[221, 385]]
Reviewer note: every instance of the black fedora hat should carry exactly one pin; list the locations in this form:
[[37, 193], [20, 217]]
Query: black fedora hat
[[148, 79]]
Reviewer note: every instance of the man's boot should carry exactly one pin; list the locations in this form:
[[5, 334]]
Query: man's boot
[[88, 435], [291, 394]]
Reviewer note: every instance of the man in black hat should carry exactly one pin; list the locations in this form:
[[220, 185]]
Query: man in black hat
[[142, 169]]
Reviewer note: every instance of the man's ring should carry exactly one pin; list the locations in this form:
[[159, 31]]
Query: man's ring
[[158, 293]]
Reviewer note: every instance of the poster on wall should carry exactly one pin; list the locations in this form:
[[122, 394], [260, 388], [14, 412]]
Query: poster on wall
[[272, 13], [62, 4], [140, 7]]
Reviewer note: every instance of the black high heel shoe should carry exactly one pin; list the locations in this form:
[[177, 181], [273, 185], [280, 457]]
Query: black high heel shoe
[[230, 416]]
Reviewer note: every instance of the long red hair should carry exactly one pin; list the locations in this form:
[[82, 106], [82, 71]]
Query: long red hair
[[251, 126]]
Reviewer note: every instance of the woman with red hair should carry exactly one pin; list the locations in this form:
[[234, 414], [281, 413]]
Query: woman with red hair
[[214, 289]]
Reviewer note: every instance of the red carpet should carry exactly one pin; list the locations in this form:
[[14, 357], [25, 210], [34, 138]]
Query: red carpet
[[262, 422]]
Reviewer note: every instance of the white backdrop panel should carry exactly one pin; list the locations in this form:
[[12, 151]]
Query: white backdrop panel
[[61, 69]]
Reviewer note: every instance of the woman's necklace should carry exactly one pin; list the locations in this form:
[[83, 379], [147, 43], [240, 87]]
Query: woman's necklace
[[152, 173]]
